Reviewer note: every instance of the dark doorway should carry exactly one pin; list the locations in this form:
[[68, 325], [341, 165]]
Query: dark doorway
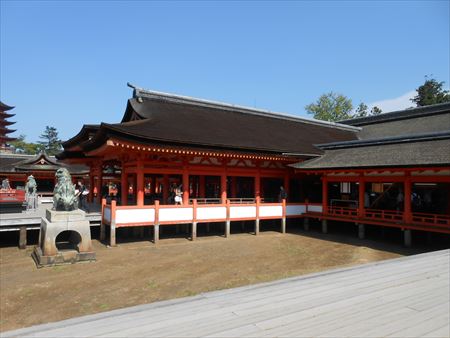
[[68, 240]]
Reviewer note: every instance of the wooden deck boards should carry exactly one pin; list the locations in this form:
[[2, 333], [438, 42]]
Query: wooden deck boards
[[32, 219], [401, 297]]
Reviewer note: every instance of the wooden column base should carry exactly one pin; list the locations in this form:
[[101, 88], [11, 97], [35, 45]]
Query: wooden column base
[[283, 225], [156, 233], [194, 231], [227, 229], [306, 224], [23, 238], [112, 240], [324, 226]]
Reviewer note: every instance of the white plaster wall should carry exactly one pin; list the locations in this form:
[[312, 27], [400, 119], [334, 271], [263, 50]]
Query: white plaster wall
[[107, 215], [211, 213], [315, 208], [175, 214], [271, 211], [135, 216], [242, 212], [292, 210]]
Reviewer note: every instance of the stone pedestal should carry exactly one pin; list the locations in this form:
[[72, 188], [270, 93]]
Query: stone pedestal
[[77, 248]]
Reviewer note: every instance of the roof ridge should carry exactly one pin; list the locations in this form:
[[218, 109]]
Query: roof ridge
[[386, 140], [400, 114], [140, 93]]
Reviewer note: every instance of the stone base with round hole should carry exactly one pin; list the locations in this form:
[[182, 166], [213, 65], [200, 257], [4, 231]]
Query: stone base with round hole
[[64, 238]]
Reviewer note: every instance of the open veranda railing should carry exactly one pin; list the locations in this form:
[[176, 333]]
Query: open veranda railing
[[202, 211], [214, 210]]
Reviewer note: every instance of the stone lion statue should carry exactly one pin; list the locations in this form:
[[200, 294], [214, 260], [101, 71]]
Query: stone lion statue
[[30, 186], [64, 196], [30, 193]]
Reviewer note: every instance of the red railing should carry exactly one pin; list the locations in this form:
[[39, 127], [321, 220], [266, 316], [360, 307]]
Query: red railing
[[343, 211], [431, 219], [386, 215], [391, 216]]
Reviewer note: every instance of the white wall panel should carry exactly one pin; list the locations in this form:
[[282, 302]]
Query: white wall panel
[[135, 216], [107, 214], [315, 208], [211, 213], [242, 212], [271, 211], [175, 214], [292, 210]]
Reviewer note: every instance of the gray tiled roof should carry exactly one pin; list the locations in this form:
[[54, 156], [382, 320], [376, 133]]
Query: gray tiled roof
[[414, 153], [10, 163]]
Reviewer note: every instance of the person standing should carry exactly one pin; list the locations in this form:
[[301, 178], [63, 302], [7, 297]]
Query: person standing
[[282, 195], [82, 195]]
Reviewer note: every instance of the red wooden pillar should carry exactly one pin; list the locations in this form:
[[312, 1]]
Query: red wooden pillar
[[99, 183], [257, 185], [185, 187], [91, 184], [233, 186], [286, 185], [140, 183], [324, 195], [223, 187], [407, 199], [202, 187], [152, 184], [124, 186], [361, 192], [165, 188]]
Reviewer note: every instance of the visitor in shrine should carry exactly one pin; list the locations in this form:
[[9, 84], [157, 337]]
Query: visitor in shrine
[[83, 192], [282, 195]]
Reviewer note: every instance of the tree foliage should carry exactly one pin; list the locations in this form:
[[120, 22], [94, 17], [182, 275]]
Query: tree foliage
[[21, 146], [375, 111], [331, 107], [362, 110], [50, 141], [431, 92]]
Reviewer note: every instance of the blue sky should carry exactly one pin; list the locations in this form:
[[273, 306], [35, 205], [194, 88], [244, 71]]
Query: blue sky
[[67, 63]]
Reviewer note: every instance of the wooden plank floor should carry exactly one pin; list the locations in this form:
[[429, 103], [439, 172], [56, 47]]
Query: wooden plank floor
[[400, 297], [32, 219]]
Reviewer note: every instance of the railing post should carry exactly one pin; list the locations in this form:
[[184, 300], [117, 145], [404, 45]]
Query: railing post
[[283, 218], [227, 223], [361, 197], [324, 195], [102, 222], [156, 224], [407, 200], [123, 186], [223, 187], [258, 202], [194, 220], [140, 184], [112, 240]]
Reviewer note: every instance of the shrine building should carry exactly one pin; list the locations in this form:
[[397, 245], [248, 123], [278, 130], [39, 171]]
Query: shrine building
[[232, 163]]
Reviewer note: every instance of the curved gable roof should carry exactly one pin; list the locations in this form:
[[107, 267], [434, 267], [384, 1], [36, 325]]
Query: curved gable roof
[[168, 121]]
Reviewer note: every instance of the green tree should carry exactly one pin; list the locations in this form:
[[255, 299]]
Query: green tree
[[375, 111], [21, 146], [431, 92], [51, 143], [362, 110], [331, 107]]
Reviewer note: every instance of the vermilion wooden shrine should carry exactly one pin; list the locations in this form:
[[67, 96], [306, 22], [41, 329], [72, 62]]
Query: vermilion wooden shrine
[[231, 162]]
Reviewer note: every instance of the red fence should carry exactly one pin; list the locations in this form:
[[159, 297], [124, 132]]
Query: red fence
[[421, 221]]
